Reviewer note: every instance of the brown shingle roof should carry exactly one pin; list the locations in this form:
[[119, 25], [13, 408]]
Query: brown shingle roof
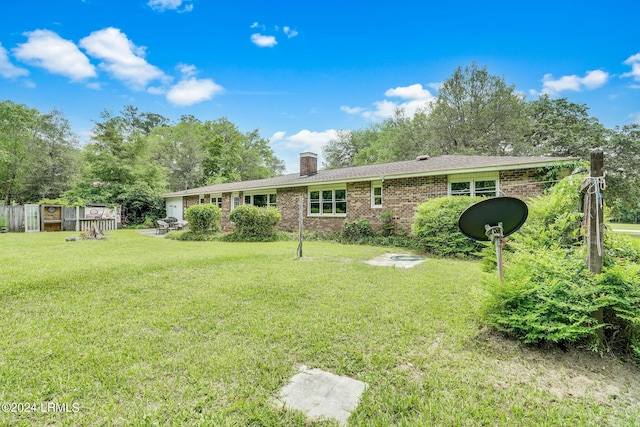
[[442, 165]]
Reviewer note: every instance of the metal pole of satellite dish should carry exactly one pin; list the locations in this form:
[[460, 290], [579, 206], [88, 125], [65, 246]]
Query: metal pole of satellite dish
[[496, 234]]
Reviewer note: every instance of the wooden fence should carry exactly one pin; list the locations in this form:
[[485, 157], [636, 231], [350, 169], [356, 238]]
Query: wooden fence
[[14, 216], [73, 218]]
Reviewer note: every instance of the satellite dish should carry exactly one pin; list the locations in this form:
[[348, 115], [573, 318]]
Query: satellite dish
[[493, 220], [509, 211]]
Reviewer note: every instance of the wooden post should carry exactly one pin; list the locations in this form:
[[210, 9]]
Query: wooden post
[[595, 236], [300, 224], [596, 217], [77, 218]]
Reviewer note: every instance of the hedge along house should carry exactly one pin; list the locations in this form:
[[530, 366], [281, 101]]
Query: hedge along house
[[335, 195]]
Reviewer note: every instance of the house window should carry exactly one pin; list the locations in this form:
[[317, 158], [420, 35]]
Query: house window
[[328, 202], [474, 184], [260, 200], [376, 194], [461, 188], [216, 200], [202, 199], [485, 188]]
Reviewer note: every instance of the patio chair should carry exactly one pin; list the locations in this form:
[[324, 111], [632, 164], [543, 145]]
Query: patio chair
[[163, 227], [182, 224]]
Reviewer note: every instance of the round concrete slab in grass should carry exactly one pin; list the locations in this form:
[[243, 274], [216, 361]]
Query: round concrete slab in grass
[[396, 260]]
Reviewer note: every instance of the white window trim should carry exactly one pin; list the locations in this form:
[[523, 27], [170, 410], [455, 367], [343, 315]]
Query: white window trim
[[471, 178], [267, 193], [322, 188], [232, 204], [375, 184]]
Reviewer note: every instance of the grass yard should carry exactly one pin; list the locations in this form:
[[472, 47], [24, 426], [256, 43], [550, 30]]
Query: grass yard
[[138, 330], [621, 226], [632, 230]]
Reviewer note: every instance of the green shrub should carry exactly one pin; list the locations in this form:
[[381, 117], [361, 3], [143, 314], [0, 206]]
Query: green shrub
[[546, 297], [253, 223], [388, 228], [204, 218], [139, 202], [554, 219], [435, 226], [357, 230], [550, 296]]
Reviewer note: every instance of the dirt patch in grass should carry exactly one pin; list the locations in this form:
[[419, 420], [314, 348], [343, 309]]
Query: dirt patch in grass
[[571, 374]]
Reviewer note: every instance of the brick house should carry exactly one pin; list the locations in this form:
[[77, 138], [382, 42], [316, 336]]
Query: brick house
[[332, 196]]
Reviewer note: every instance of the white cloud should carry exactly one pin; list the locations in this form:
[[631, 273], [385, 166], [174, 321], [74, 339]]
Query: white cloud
[[290, 147], [634, 61], [48, 50], [187, 70], [305, 140], [263, 41], [192, 91], [384, 109], [278, 136], [351, 110], [635, 118], [416, 97], [415, 91], [7, 69], [592, 80], [121, 58], [162, 5], [289, 32]]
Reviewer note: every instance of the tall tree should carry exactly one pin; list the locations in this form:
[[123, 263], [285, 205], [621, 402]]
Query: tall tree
[[399, 137], [477, 113], [232, 155], [179, 149], [118, 157], [37, 154], [622, 166], [342, 151], [558, 127]]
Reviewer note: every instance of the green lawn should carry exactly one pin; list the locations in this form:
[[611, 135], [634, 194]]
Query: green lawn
[[632, 230], [137, 330], [620, 226]]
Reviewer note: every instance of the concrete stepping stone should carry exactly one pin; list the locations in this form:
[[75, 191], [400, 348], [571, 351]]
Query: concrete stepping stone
[[322, 395]]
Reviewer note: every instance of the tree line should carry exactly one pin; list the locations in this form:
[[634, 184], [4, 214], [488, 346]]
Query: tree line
[[132, 157], [477, 113]]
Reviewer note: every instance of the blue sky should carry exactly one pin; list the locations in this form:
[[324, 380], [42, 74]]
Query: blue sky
[[300, 71]]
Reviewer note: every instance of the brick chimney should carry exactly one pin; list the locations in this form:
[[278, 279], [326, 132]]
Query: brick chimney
[[308, 164]]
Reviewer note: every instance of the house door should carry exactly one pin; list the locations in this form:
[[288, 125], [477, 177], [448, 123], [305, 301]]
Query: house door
[[31, 218], [174, 207], [235, 200]]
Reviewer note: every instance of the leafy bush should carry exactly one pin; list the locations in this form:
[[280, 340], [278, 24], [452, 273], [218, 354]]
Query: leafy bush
[[139, 202], [357, 230], [253, 223], [549, 295], [204, 218], [435, 226], [388, 228]]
